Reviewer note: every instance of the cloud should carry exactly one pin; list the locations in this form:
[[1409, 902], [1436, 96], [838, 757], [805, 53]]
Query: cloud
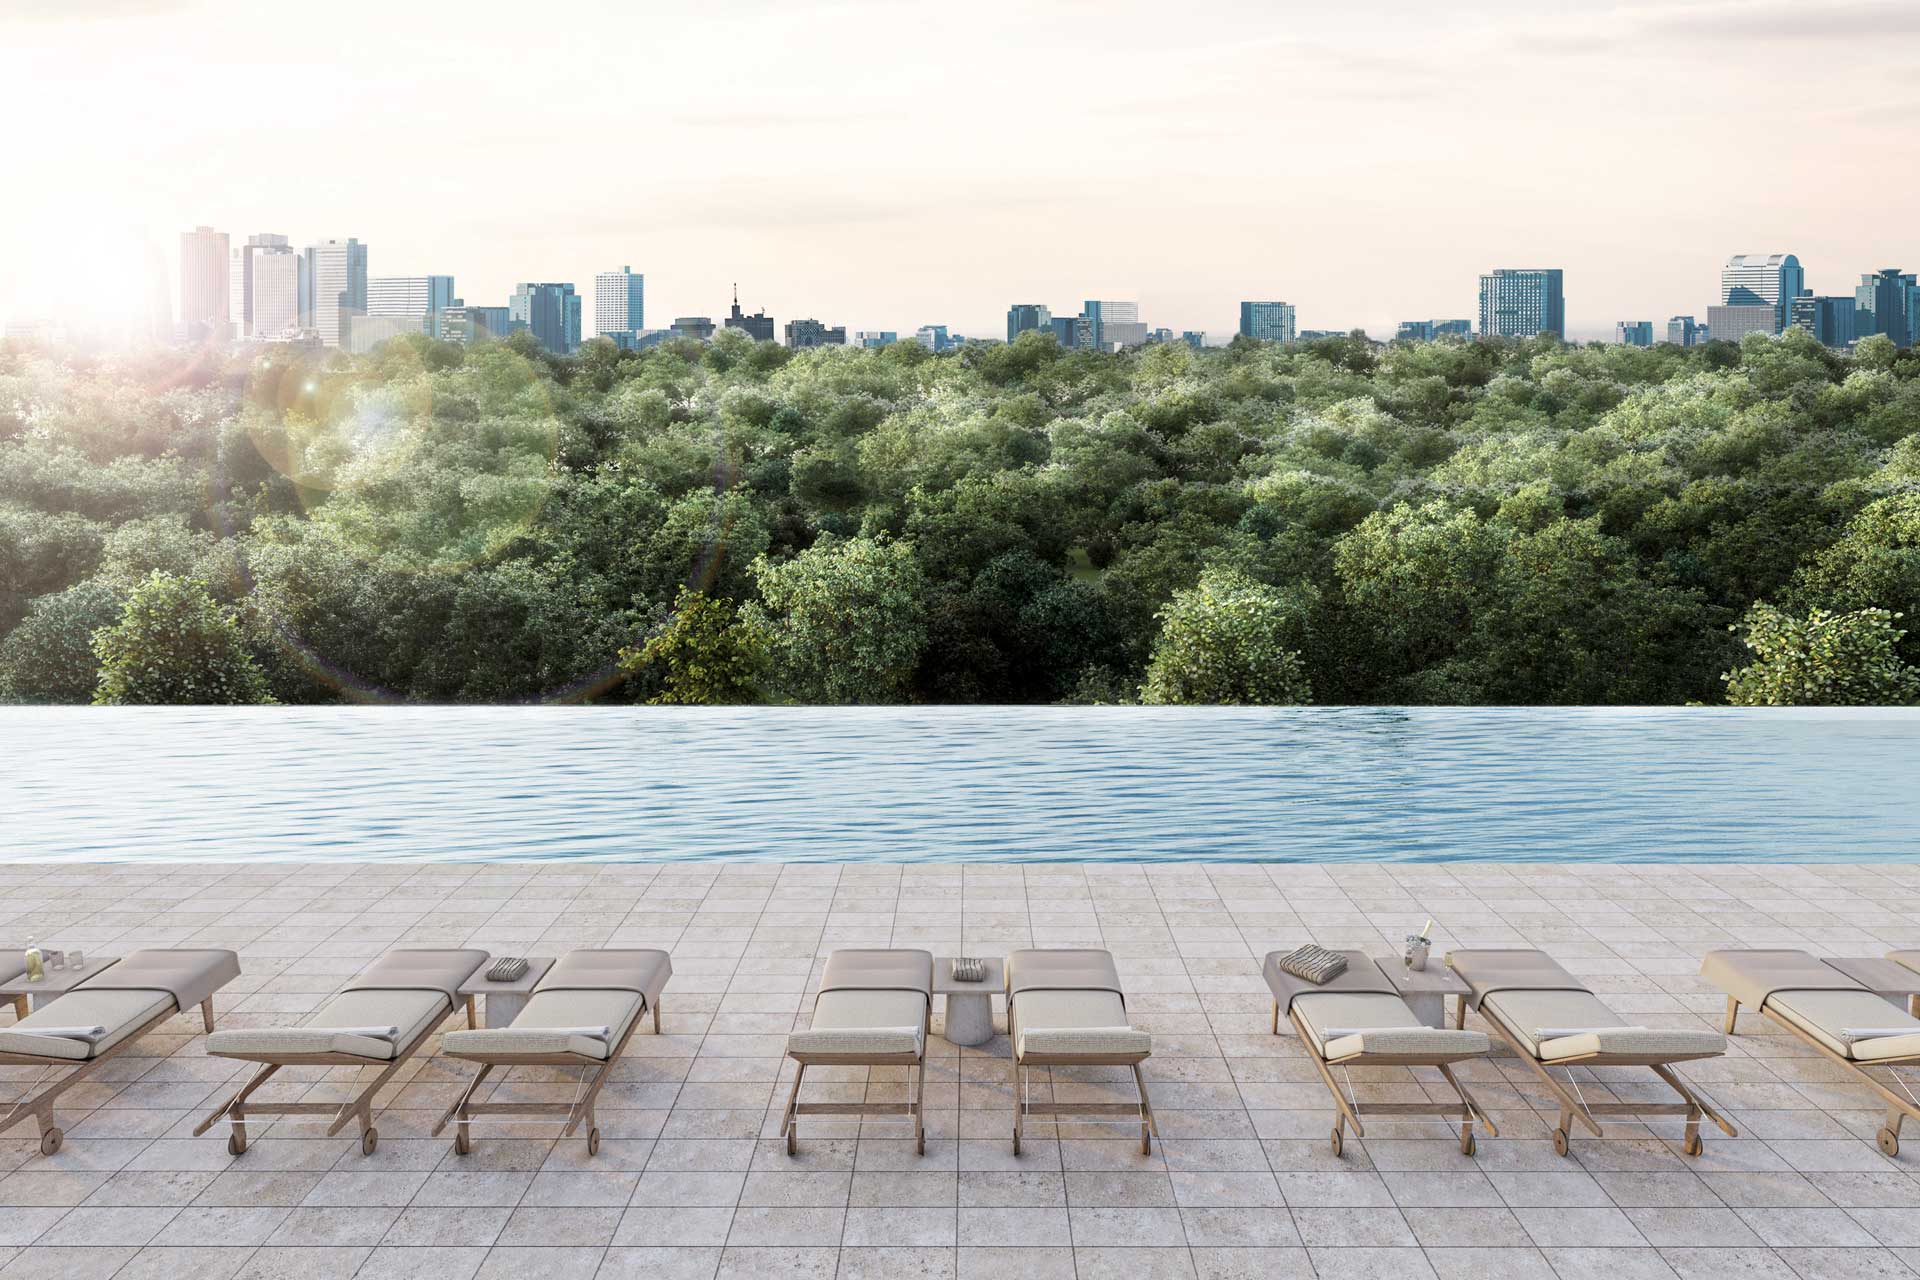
[[52, 12]]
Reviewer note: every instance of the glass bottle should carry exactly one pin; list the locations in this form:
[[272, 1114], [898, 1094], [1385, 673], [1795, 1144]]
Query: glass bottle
[[36, 971]]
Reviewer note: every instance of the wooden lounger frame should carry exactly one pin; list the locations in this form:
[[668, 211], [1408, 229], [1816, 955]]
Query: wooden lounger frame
[[461, 1113], [1573, 1107], [1468, 1109], [915, 1106], [40, 1106], [236, 1108], [1898, 1107], [1022, 1062]]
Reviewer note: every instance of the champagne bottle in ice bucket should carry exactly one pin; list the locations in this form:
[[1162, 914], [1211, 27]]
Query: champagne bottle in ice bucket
[[1418, 945]]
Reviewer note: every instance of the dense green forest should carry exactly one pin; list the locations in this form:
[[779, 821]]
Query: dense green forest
[[1335, 522]]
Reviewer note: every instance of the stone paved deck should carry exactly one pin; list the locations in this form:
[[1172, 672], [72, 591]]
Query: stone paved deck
[[689, 1184]]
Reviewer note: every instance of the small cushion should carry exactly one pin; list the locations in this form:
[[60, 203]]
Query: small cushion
[[1656, 1042], [1111, 1042], [856, 1041]]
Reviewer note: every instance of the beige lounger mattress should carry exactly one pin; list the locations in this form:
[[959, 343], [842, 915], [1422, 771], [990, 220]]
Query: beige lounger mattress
[[410, 1011], [1524, 1013], [1824, 1014], [864, 1022], [1372, 1022], [120, 1012], [544, 1025], [1092, 1022]]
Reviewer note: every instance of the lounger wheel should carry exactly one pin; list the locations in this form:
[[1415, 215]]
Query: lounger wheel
[[236, 1143], [368, 1141], [1694, 1144], [1561, 1144], [593, 1142], [1889, 1142], [461, 1142], [1339, 1140], [50, 1139]]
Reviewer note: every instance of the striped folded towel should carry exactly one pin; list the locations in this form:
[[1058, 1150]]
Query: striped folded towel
[[1314, 964]]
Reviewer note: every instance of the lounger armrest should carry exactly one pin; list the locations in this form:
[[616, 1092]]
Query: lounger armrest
[[855, 1041], [1088, 1041], [1652, 1042], [1406, 1041]]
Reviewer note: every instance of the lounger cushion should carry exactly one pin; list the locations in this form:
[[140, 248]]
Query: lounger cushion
[[12, 964], [858, 1023], [1752, 975], [1824, 1014], [410, 1011], [1382, 1024], [189, 974], [1074, 1022], [1603, 1031], [534, 1031], [121, 1012]]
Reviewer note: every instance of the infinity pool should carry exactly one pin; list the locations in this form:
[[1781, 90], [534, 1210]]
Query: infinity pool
[[959, 784]]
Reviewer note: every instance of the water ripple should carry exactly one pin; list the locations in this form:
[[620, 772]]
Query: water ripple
[[959, 784]]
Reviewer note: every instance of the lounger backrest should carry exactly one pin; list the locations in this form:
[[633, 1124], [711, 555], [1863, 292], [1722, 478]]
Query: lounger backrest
[[1362, 976], [878, 969], [1509, 969], [420, 969], [1750, 976], [1041, 969], [189, 975], [641, 970]]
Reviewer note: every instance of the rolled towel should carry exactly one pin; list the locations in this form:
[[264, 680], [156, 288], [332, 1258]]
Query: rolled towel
[[591, 1033], [371, 1033], [1851, 1034], [1561, 1033], [88, 1034]]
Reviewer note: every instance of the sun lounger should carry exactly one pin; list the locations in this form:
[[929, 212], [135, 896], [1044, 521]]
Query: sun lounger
[[1358, 1019], [103, 1017], [581, 1014], [377, 1020], [1066, 1009], [1549, 1019], [873, 1010], [1842, 1020]]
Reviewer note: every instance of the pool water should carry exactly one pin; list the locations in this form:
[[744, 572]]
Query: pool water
[[1013, 784]]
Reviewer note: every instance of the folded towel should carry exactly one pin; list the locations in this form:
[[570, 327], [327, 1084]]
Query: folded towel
[[65, 1033], [1876, 1033], [591, 1033], [1560, 1033], [371, 1033], [1314, 964]]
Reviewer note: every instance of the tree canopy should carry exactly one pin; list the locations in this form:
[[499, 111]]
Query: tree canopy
[[1501, 522]]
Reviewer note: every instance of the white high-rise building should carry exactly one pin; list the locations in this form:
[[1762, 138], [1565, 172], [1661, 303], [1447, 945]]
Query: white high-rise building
[[1762, 279], [273, 307], [240, 281], [412, 296], [203, 284], [619, 301], [333, 288]]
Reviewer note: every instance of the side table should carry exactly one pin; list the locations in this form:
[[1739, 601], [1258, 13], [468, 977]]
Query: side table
[[969, 1004], [505, 1000], [1425, 990], [56, 984]]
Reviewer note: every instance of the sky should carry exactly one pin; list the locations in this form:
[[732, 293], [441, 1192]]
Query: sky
[[883, 165]]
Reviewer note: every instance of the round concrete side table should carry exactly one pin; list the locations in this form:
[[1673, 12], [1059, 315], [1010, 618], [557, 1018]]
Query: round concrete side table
[[969, 1004]]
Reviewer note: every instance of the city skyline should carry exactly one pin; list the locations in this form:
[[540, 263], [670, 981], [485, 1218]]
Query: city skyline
[[790, 142]]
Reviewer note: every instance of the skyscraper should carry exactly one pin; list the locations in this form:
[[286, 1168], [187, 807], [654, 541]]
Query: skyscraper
[[758, 326], [1886, 302], [1730, 324], [1829, 319], [273, 292], [871, 339], [1683, 332], [240, 280], [699, 328], [204, 305], [619, 301], [411, 296], [1522, 302], [1751, 279], [333, 287], [1022, 316], [1267, 321], [1110, 325], [933, 337], [802, 334], [467, 325], [551, 312], [1633, 333]]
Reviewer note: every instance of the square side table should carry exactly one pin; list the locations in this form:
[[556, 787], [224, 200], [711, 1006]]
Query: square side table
[[56, 984], [1425, 990], [969, 1004], [505, 1000]]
